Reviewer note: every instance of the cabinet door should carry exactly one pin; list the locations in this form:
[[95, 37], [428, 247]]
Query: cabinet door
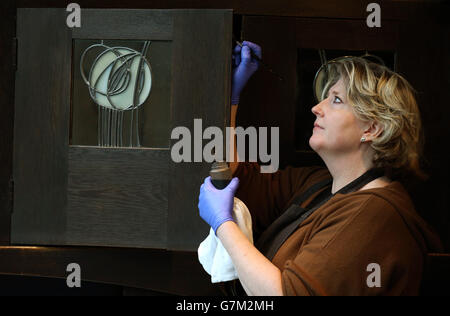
[[78, 178]]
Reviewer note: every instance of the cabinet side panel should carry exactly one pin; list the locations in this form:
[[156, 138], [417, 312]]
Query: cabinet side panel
[[41, 127]]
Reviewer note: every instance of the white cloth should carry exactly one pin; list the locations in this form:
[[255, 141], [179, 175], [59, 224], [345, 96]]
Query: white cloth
[[212, 254]]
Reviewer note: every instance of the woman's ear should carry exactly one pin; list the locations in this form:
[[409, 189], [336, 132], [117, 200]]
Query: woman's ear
[[372, 130]]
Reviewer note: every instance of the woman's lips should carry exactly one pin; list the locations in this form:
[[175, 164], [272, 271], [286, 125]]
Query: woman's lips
[[318, 126]]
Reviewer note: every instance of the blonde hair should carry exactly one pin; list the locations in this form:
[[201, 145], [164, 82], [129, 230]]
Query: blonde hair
[[378, 94]]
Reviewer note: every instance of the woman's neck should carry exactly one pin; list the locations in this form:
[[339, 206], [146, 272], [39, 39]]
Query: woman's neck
[[346, 169]]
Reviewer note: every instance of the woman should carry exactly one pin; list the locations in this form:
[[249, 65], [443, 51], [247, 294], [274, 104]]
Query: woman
[[360, 235]]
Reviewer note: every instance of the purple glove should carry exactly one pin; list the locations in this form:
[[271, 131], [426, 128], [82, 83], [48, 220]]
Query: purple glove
[[244, 66], [216, 206]]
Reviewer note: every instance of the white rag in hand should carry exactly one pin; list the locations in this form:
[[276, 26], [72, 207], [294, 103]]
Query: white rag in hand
[[213, 256]]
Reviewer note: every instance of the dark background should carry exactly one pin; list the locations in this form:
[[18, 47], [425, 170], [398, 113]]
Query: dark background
[[415, 33]]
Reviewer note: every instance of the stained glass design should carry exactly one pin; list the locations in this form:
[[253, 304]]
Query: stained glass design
[[125, 86]]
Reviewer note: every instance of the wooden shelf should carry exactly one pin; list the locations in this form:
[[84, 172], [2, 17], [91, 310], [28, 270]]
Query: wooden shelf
[[173, 272]]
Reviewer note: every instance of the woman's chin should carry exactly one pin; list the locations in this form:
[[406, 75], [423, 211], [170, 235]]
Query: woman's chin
[[314, 143]]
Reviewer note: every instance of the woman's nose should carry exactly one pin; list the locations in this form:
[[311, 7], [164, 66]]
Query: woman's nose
[[317, 109]]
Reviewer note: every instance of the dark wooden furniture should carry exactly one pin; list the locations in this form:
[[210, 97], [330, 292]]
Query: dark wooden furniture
[[162, 271], [416, 30], [85, 195]]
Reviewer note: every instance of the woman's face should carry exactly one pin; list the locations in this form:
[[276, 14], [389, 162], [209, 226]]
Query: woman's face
[[337, 130]]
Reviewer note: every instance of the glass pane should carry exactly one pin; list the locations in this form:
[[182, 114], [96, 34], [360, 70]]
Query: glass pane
[[121, 93]]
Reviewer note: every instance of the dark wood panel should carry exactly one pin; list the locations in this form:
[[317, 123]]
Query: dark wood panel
[[171, 272], [133, 24], [117, 197], [7, 32], [265, 93], [424, 60], [41, 127], [349, 9], [345, 34], [201, 89]]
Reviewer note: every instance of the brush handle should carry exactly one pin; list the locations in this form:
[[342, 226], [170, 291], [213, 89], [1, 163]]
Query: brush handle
[[220, 175]]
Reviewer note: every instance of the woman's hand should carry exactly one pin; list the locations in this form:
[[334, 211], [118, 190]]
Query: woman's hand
[[244, 66], [256, 273], [216, 206]]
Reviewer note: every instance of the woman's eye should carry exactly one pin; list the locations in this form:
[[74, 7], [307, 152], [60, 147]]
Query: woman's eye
[[337, 100]]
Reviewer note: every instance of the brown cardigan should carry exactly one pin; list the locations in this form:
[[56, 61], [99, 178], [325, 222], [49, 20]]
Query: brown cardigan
[[330, 252]]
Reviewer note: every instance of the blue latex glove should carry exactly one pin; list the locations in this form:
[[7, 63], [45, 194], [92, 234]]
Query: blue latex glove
[[216, 206], [244, 66]]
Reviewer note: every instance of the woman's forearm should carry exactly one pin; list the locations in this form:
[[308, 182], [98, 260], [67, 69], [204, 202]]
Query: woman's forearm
[[257, 274]]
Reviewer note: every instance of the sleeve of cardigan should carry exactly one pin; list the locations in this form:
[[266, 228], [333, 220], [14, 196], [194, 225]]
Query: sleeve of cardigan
[[267, 194]]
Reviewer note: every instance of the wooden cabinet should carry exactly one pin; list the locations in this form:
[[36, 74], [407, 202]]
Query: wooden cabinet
[[57, 192], [101, 196]]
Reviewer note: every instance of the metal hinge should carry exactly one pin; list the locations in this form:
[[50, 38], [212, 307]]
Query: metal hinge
[[15, 47]]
